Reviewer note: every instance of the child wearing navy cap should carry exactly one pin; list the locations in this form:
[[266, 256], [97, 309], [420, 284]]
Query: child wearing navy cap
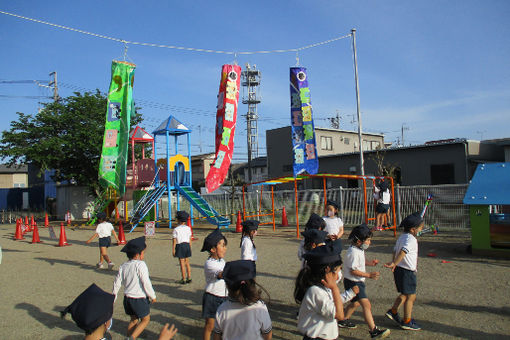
[[215, 290], [138, 291], [248, 249], [404, 266], [181, 245], [355, 274], [317, 292], [334, 224], [312, 238], [243, 315], [383, 197], [103, 231], [314, 222], [92, 311]]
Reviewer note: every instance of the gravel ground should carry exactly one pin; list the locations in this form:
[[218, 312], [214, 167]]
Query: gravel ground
[[468, 298]]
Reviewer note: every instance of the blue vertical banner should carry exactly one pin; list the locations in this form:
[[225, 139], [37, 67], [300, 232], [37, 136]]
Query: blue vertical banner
[[304, 148]]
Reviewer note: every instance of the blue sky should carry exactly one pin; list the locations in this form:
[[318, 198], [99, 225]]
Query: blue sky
[[439, 67]]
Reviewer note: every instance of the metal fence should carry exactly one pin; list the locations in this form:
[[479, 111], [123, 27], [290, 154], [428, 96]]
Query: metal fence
[[446, 210]]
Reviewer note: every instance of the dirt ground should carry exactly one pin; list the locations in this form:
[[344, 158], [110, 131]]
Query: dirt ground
[[467, 298]]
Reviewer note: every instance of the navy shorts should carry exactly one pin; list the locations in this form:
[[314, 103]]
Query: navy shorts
[[405, 280], [382, 208], [105, 241], [348, 284], [210, 304], [182, 250], [138, 307]]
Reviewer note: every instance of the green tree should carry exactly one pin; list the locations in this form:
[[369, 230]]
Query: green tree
[[66, 136]]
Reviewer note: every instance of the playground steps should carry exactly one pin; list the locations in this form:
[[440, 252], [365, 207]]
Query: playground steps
[[145, 205], [203, 207], [99, 205]]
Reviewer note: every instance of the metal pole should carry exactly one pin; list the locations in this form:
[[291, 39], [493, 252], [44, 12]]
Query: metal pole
[[341, 201], [361, 161]]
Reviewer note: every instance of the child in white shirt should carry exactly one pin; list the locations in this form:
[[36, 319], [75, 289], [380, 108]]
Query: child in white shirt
[[181, 245], [244, 315], [404, 267], [317, 291], [215, 289], [248, 249], [355, 274], [103, 230], [138, 291], [334, 224], [383, 197]]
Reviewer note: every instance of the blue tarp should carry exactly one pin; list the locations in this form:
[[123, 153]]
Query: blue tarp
[[490, 185]]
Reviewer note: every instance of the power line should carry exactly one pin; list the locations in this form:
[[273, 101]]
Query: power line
[[191, 49]]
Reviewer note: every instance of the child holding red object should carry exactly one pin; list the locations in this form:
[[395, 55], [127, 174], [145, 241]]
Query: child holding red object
[[181, 245], [404, 266]]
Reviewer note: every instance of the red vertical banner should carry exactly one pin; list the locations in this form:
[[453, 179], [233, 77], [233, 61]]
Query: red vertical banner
[[226, 118]]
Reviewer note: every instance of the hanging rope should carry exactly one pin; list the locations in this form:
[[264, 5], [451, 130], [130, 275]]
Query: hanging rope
[[191, 49]]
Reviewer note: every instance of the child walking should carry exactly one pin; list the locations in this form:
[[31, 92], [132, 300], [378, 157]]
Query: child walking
[[317, 291], [215, 290], [383, 197], [138, 291], [103, 230], [314, 222], [181, 245], [354, 275], [404, 266], [334, 224], [248, 249], [243, 315]]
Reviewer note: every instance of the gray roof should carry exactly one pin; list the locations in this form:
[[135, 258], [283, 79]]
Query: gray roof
[[18, 169]]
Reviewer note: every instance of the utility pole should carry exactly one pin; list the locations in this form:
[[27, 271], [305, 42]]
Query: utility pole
[[251, 81], [200, 137], [404, 128], [361, 161], [55, 86]]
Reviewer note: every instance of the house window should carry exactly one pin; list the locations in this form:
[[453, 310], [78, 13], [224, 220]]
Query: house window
[[326, 143], [442, 174], [19, 185], [347, 140], [375, 145]]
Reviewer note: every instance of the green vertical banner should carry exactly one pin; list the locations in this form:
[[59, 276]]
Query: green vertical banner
[[112, 167]]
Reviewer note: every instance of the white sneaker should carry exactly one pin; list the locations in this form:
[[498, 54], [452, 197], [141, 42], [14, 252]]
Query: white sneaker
[[100, 265], [110, 265]]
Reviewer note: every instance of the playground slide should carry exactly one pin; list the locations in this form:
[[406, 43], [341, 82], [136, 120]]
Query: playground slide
[[203, 207], [145, 205]]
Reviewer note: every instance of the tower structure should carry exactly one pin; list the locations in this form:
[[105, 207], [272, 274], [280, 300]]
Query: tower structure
[[250, 82]]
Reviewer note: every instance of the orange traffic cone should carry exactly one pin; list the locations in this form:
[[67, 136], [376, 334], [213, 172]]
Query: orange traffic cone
[[122, 237], [191, 227], [63, 239], [18, 235], [32, 223], [285, 222], [35, 235], [27, 225], [46, 221], [239, 228]]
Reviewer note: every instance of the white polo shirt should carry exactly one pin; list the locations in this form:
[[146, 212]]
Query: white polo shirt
[[182, 234], [104, 229], [135, 276], [235, 321], [409, 244], [333, 225], [248, 251], [317, 314], [383, 197], [354, 260], [213, 285]]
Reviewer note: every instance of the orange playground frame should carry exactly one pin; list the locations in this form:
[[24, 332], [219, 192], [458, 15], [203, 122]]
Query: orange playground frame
[[281, 180]]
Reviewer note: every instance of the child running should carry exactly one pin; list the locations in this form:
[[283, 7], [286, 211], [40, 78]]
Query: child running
[[383, 197], [334, 224], [138, 291], [317, 291], [215, 290], [354, 275], [404, 266], [243, 315], [248, 249], [181, 245], [103, 230]]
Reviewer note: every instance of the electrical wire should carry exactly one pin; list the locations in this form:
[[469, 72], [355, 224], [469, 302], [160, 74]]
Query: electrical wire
[[191, 49]]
